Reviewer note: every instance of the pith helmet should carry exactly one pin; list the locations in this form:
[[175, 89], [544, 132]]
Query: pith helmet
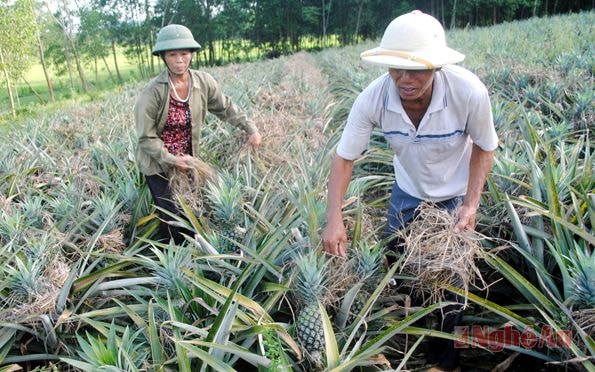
[[173, 37], [413, 41]]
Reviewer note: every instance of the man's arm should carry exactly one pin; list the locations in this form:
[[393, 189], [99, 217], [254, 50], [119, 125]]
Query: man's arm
[[334, 235], [479, 168]]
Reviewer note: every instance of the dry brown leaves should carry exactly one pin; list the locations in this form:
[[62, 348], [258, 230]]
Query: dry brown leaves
[[283, 115], [43, 301], [113, 241], [585, 318], [186, 184], [437, 256]]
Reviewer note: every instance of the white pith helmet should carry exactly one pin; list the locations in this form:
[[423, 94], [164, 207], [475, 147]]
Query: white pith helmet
[[413, 41]]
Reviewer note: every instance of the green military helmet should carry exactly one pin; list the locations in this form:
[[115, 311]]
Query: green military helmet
[[174, 37]]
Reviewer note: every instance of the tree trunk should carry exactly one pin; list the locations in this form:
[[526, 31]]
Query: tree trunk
[[453, 15], [140, 56], [211, 52], [116, 61], [39, 97], [45, 69], [79, 67], [150, 36], [325, 18], [67, 59], [97, 73], [8, 85], [111, 76], [360, 7], [69, 44]]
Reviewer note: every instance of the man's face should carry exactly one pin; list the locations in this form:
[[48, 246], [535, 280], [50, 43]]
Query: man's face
[[178, 61], [413, 84]]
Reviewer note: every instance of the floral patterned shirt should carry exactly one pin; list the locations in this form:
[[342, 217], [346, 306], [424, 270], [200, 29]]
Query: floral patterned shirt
[[177, 135]]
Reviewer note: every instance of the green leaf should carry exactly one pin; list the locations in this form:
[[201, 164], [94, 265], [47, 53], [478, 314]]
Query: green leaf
[[181, 351], [157, 352], [231, 348], [191, 350], [330, 341], [528, 290], [85, 281], [378, 341]]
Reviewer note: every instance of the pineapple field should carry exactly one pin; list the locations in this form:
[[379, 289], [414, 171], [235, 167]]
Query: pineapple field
[[85, 286]]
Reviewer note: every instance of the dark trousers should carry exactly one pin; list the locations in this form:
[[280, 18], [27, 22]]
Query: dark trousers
[[162, 198], [401, 210]]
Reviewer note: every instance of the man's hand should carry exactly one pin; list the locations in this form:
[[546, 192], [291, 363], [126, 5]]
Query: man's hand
[[254, 140], [183, 162], [479, 167], [465, 218], [334, 237]]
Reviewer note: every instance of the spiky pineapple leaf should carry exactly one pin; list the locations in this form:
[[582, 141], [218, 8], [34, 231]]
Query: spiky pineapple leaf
[[330, 340]]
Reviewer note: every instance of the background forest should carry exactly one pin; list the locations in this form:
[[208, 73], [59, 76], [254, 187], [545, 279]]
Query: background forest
[[89, 46]]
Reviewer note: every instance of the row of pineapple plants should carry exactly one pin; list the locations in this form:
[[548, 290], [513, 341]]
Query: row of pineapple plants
[[84, 285]]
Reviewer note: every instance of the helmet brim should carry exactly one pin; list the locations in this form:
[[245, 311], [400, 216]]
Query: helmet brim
[[412, 61], [167, 45]]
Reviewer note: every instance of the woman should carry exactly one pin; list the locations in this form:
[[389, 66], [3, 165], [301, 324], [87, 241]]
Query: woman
[[169, 113]]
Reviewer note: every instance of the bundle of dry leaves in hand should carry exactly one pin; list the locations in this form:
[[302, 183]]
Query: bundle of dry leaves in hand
[[437, 256], [186, 184]]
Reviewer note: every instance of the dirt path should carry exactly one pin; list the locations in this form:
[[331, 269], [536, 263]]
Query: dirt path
[[293, 112]]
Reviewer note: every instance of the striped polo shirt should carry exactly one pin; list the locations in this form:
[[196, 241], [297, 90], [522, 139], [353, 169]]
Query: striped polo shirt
[[432, 162]]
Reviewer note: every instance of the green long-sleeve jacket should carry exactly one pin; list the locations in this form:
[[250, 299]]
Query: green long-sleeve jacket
[[150, 113]]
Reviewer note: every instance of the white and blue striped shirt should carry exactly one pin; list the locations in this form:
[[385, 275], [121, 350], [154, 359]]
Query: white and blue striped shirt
[[432, 161]]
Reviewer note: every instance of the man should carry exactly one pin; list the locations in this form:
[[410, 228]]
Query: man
[[437, 119], [169, 113]]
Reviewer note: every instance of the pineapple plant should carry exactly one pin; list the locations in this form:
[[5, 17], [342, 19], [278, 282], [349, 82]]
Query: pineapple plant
[[367, 266], [583, 279], [311, 289], [227, 216]]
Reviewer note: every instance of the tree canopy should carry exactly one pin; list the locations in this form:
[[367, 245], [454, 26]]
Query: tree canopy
[[80, 36]]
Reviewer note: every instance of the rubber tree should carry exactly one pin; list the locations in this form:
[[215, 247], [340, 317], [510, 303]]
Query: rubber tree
[[17, 38]]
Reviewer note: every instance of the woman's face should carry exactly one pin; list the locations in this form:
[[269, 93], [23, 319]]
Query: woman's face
[[413, 84], [178, 61]]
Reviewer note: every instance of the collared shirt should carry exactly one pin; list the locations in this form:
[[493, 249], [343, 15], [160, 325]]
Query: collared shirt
[[432, 161], [151, 114]]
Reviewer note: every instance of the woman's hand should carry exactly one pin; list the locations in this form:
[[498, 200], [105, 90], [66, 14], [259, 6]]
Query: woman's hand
[[183, 162], [254, 140]]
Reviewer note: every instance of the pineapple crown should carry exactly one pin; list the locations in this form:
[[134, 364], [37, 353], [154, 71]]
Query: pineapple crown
[[367, 259], [226, 198], [367, 264], [583, 277], [312, 277]]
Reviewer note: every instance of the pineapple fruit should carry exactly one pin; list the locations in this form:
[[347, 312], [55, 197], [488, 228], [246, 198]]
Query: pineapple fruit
[[227, 216], [310, 290]]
